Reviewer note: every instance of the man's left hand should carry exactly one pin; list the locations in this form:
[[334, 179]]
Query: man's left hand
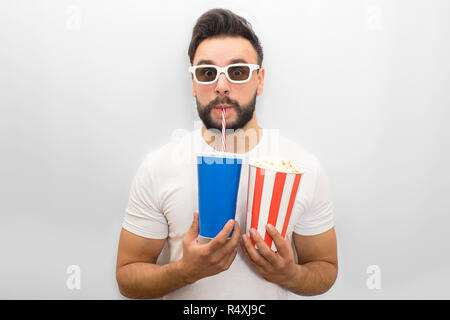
[[277, 267]]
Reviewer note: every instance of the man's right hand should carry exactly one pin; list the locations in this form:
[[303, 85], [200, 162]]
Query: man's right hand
[[204, 260]]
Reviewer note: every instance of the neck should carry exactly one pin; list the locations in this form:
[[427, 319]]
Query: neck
[[237, 141]]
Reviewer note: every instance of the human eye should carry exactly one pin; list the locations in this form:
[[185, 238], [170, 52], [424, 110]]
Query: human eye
[[208, 72], [237, 72]]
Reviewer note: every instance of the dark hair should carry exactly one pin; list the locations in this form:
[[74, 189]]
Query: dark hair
[[222, 22]]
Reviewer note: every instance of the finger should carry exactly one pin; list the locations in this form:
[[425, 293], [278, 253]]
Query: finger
[[192, 233], [221, 239], [234, 240], [245, 238], [244, 249], [264, 249], [279, 241], [254, 255], [231, 259]]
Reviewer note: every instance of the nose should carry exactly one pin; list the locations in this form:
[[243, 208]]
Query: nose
[[222, 85]]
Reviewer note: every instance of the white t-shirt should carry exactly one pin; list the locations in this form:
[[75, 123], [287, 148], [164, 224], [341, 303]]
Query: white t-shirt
[[164, 195]]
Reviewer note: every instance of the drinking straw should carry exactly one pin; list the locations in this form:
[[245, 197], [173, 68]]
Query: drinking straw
[[224, 127]]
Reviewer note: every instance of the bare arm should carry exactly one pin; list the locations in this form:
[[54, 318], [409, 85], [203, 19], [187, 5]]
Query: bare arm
[[317, 267], [318, 263], [139, 277], [137, 274]]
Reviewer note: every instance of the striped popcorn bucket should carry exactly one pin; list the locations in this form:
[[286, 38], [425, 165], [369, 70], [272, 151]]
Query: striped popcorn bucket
[[271, 196]]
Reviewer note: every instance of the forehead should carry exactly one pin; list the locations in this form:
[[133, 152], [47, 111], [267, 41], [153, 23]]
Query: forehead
[[224, 50]]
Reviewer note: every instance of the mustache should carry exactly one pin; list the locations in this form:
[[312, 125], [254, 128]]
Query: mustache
[[217, 101]]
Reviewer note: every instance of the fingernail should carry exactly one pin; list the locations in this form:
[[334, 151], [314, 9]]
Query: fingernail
[[231, 223], [270, 227], [252, 232]]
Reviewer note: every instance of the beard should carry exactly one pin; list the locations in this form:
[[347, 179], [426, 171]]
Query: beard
[[243, 113]]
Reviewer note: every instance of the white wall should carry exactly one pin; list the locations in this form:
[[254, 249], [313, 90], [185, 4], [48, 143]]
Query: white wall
[[87, 88]]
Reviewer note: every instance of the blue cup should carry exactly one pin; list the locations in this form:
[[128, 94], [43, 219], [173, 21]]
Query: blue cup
[[218, 186]]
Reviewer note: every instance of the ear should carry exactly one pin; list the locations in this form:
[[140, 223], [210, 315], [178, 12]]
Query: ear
[[261, 73], [194, 92]]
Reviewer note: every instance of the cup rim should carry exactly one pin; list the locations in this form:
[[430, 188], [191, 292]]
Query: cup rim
[[274, 170], [219, 154], [208, 238]]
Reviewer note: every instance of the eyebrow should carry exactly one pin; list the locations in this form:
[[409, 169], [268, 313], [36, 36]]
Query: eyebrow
[[238, 60]]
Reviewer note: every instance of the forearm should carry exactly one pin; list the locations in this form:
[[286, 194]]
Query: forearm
[[312, 278], [148, 281]]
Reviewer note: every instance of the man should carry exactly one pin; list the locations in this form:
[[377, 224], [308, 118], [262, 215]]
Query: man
[[162, 198]]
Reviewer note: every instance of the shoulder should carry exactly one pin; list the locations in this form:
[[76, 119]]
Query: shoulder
[[287, 148], [173, 155]]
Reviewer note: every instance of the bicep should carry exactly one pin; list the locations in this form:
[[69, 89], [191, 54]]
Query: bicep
[[134, 248], [320, 247]]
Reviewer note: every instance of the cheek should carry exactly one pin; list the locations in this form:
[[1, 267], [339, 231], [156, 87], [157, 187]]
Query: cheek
[[205, 93], [205, 89], [245, 92], [242, 93], [249, 88]]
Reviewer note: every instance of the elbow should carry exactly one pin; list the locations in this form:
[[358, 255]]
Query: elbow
[[332, 276], [124, 292], [123, 285], [327, 279], [128, 289]]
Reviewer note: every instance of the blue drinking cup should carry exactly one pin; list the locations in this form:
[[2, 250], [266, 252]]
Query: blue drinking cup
[[218, 186]]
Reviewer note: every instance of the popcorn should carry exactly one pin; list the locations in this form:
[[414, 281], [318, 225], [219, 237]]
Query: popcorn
[[273, 185], [287, 166]]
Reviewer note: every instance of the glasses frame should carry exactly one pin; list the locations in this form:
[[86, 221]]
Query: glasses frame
[[224, 70]]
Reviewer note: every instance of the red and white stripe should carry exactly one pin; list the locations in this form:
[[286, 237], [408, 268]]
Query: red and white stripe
[[270, 199], [224, 128]]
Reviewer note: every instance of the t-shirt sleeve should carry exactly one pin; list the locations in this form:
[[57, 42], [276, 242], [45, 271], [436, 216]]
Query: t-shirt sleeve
[[319, 217], [143, 216]]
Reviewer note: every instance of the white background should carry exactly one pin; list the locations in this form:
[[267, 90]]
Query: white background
[[87, 88]]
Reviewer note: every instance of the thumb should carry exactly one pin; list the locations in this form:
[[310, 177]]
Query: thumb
[[192, 233]]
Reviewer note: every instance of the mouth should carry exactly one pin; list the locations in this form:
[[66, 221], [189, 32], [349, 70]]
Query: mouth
[[225, 107]]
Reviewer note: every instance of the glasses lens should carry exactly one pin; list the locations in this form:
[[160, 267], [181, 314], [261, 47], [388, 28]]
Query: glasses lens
[[239, 73], [206, 74]]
